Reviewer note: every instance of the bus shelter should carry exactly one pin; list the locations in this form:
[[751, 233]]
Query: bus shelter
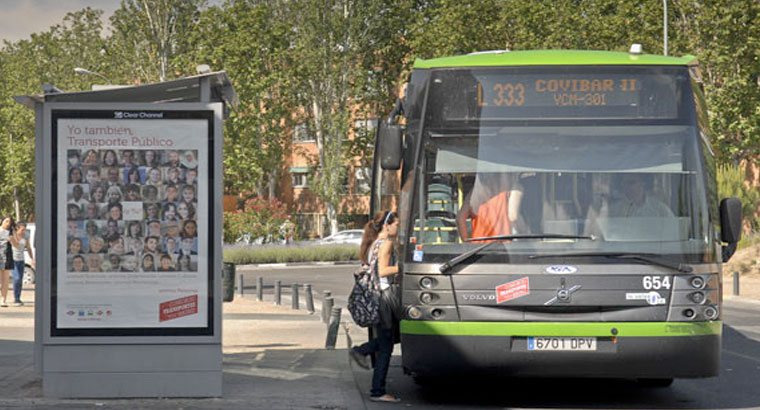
[[129, 247]]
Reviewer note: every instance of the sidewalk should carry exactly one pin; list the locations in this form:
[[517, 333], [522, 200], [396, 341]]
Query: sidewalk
[[274, 358]]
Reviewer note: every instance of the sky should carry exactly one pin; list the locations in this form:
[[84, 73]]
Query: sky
[[20, 18]]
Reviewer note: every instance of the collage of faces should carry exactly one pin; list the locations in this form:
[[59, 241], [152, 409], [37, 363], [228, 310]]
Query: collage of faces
[[132, 210]]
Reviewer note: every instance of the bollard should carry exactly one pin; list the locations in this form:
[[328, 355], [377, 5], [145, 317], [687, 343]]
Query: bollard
[[278, 292], [260, 288], [327, 306], [241, 284], [228, 281], [736, 283], [332, 328], [294, 296], [309, 300], [325, 311]]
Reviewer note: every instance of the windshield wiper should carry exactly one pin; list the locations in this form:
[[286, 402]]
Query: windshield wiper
[[463, 256], [649, 258]]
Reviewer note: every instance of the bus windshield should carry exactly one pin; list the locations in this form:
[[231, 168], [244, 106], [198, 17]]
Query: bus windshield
[[573, 155]]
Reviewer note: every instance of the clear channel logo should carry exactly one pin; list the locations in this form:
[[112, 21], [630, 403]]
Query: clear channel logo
[[139, 115]]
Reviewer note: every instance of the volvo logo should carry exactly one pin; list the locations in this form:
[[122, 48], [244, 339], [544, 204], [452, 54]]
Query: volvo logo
[[561, 269], [563, 294], [477, 296]]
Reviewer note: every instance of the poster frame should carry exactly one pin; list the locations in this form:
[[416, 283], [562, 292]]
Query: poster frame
[[211, 333]]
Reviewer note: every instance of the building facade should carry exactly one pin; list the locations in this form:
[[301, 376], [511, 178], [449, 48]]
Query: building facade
[[308, 209]]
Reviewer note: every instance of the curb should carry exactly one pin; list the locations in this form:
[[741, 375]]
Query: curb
[[280, 265], [741, 299]]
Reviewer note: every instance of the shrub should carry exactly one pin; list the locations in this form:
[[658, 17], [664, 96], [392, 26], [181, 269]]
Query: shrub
[[242, 255], [731, 183], [259, 221]]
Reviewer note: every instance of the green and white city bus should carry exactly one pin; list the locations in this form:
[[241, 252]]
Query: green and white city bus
[[611, 263]]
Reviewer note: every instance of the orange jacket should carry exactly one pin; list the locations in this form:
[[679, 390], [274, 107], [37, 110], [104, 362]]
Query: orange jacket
[[492, 218]]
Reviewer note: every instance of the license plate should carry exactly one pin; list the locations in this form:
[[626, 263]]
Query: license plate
[[562, 343]]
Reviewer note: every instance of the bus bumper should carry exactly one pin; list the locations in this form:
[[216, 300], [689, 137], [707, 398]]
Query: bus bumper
[[638, 350]]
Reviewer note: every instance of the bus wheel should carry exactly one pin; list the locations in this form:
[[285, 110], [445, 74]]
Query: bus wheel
[[29, 275], [655, 383], [423, 381]]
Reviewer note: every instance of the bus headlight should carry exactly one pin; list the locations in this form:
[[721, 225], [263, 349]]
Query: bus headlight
[[697, 282], [426, 297], [697, 297], [688, 313], [427, 282], [413, 312], [711, 312]]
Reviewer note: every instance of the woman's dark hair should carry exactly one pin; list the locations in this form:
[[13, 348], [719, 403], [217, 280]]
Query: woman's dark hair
[[133, 170], [12, 227], [184, 226], [115, 158], [71, 172], [372, 230], [129, 229]]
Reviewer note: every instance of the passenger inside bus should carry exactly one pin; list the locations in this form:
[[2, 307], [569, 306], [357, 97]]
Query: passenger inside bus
[[492, 206]]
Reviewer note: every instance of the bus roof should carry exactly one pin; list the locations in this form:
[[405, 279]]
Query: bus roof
[[552, 57]]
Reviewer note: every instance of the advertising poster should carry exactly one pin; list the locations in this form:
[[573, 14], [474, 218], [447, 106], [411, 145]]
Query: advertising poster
[[132, 214]]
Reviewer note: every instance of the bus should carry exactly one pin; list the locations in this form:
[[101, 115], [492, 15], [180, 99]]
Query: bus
[[599, 250]]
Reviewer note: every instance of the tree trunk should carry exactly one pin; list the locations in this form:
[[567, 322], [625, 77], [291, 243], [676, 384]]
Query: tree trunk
[[273, 184], [17, 205], [332, 218]]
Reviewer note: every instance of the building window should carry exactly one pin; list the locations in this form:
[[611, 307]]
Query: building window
[[301, 133], [300, 180], [345, 184], [368, 124], [362, 178]]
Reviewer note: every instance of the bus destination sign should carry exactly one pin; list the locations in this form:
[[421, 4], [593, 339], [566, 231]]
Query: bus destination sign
[[506, 94], [558, 91]]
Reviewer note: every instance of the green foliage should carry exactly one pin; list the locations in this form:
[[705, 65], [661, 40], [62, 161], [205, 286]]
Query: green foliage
[[260, 220], [748, 241], [330, 62], [47, 57], [251, 41], [285, 254], [149, 36], [731, 182]]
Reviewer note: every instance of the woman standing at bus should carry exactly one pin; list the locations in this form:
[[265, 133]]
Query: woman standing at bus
[[6, 256], [378, 247], [19, 247]]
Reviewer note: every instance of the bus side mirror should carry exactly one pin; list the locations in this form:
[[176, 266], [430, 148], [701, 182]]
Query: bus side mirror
[[730, 225], [390, 146]]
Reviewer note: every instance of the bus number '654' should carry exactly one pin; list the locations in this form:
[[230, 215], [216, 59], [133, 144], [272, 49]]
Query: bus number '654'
[[656, 282]]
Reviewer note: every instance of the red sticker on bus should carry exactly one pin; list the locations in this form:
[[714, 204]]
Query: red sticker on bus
[[512, 290], [177, 308]]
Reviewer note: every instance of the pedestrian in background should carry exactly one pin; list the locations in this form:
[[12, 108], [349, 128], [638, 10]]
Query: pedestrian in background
[[21, 244], [378, 246], [6, 257]]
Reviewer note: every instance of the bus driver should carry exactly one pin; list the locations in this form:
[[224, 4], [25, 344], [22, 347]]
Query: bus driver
[[636, 201], [493, 206]]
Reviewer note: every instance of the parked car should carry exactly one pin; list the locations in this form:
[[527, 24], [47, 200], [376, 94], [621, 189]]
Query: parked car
[[30, 274], [351, 236]]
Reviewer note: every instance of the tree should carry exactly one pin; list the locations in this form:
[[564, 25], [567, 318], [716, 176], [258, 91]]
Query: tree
[[341, 44], [726, 36], [148, 35], [47, 57], [251, 41]]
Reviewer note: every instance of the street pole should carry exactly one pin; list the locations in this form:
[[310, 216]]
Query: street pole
[[665, 26]]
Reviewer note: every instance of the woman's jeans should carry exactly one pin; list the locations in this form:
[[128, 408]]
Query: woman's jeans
[[18, 279], [382, 345]]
